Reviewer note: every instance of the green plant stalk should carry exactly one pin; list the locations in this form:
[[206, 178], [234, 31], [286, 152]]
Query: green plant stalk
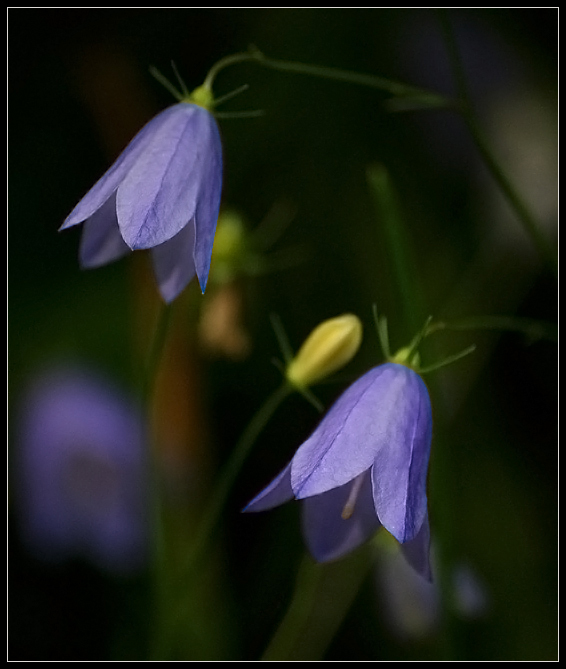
[[523, 212], [174, 592], [395, 88], [531, 328], [321, 599], [397, 247], [231, 470], [159, 557]]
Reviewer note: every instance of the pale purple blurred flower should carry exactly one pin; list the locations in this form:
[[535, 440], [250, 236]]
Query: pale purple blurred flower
[[409, 605], [471, 598], [80, 472], [364, 466], [162, 193]]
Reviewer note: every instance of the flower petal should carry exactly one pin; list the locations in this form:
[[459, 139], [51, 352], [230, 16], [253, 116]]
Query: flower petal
[[277, 492], [109, 182], [348, 439], [208, 206], [173, 263], [400, 464], [160, 193], [329, 536], [101, 241], [417, 551]]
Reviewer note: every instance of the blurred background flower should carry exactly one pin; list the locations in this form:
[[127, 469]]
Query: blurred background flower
[[80, 480], [411, 607]]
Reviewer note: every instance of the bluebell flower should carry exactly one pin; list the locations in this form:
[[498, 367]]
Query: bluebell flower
[[365, 466], [162, 193], [81, 477]]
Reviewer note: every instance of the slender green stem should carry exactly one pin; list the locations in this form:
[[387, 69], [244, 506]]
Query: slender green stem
[[155, 352], [282, 339], [523, 212], [297, 615], [173, 602], [321, 599], [530, 327], [382, 332], [225, 62], [228, 475], [176, 594], [159, 563], [397, 245], [336, 74]]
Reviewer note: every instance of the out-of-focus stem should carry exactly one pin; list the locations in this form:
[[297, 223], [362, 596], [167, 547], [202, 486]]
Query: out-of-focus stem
[[521, 209]]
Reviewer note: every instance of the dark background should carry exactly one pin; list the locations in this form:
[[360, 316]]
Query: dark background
[[79, 88]]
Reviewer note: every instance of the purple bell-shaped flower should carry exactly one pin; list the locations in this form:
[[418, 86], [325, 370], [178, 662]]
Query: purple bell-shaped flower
[[365, 466], [162, 193]]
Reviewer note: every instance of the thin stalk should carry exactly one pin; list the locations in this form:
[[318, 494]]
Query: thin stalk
[[172, 616], [532, 328], [297, 615], [336, 74], [159, 563], [522, 210], [397, 246], [155, 353], [225, 62], [321, 600], [231, 470]]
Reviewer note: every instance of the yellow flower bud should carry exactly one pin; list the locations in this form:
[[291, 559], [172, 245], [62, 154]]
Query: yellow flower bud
[[328, 347]]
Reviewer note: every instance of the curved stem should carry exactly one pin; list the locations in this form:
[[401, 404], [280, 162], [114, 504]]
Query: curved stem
[[368, 80], [225, 62]]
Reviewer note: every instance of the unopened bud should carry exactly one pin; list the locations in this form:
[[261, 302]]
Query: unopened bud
[[328, 347]]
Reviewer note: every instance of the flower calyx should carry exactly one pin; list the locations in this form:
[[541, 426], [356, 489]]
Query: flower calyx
[[408, 355]]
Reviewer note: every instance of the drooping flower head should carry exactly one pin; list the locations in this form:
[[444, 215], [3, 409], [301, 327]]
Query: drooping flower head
[[162, 193], [80, 471], [365, 466]]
